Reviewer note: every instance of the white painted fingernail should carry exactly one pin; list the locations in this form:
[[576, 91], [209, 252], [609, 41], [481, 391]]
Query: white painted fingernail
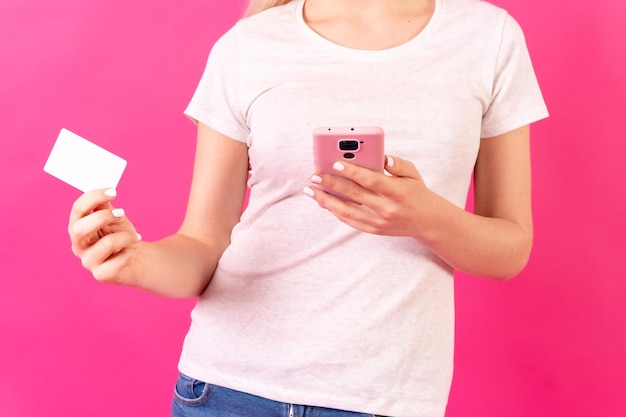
[[139, 236], [118, 212], [338, 166], [390, 161], [111, 192], [316, 179], [309, 191]]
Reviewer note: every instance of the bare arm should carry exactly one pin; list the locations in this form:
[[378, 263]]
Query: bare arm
[[494, 241], [180, 265]]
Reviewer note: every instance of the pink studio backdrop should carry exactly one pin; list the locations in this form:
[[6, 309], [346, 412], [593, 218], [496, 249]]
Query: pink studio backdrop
[[549, 343]]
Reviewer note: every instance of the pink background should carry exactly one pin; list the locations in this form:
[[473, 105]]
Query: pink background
[[549, 343]]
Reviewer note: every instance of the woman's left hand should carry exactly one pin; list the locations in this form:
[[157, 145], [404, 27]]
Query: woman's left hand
[[391, 205]]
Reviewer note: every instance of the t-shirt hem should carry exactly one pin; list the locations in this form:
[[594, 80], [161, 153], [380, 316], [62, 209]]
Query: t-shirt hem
[[289, 396]]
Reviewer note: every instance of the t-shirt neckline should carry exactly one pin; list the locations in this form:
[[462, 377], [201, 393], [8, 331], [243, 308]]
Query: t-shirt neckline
[[299, 10]]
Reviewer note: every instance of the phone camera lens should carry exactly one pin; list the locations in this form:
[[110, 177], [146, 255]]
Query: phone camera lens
[[349, 145]]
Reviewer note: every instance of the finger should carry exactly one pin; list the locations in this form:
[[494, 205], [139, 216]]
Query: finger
[[106, 249], [359, 184], [90, 201], [399, 167], [327, 198], [359, 216], [380, 184], [333, 192], [84, 232]]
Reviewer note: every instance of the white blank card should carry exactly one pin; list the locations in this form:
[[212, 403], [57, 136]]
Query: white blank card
[[83, 164]]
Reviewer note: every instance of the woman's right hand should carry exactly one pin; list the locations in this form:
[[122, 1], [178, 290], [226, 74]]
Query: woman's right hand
[[103, 238]]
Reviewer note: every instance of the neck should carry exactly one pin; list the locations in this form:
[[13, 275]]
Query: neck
[[368, 24], [352, 8]]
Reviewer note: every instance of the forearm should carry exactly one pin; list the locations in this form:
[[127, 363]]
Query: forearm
[[183, 264], [177, 266], [478, 245]]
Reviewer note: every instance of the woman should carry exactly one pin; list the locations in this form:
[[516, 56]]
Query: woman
[[309, 304]]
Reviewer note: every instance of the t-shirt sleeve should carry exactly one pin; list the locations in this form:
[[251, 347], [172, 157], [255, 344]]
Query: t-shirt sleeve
[[516, 98], [216, 101]]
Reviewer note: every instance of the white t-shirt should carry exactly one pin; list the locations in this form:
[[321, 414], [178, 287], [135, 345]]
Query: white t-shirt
[[302, 308]]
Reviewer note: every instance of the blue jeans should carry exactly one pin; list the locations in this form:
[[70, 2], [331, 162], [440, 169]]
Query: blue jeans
[[193, 398]]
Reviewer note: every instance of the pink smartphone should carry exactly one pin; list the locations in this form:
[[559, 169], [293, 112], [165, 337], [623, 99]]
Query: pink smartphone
[[363, 146]]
